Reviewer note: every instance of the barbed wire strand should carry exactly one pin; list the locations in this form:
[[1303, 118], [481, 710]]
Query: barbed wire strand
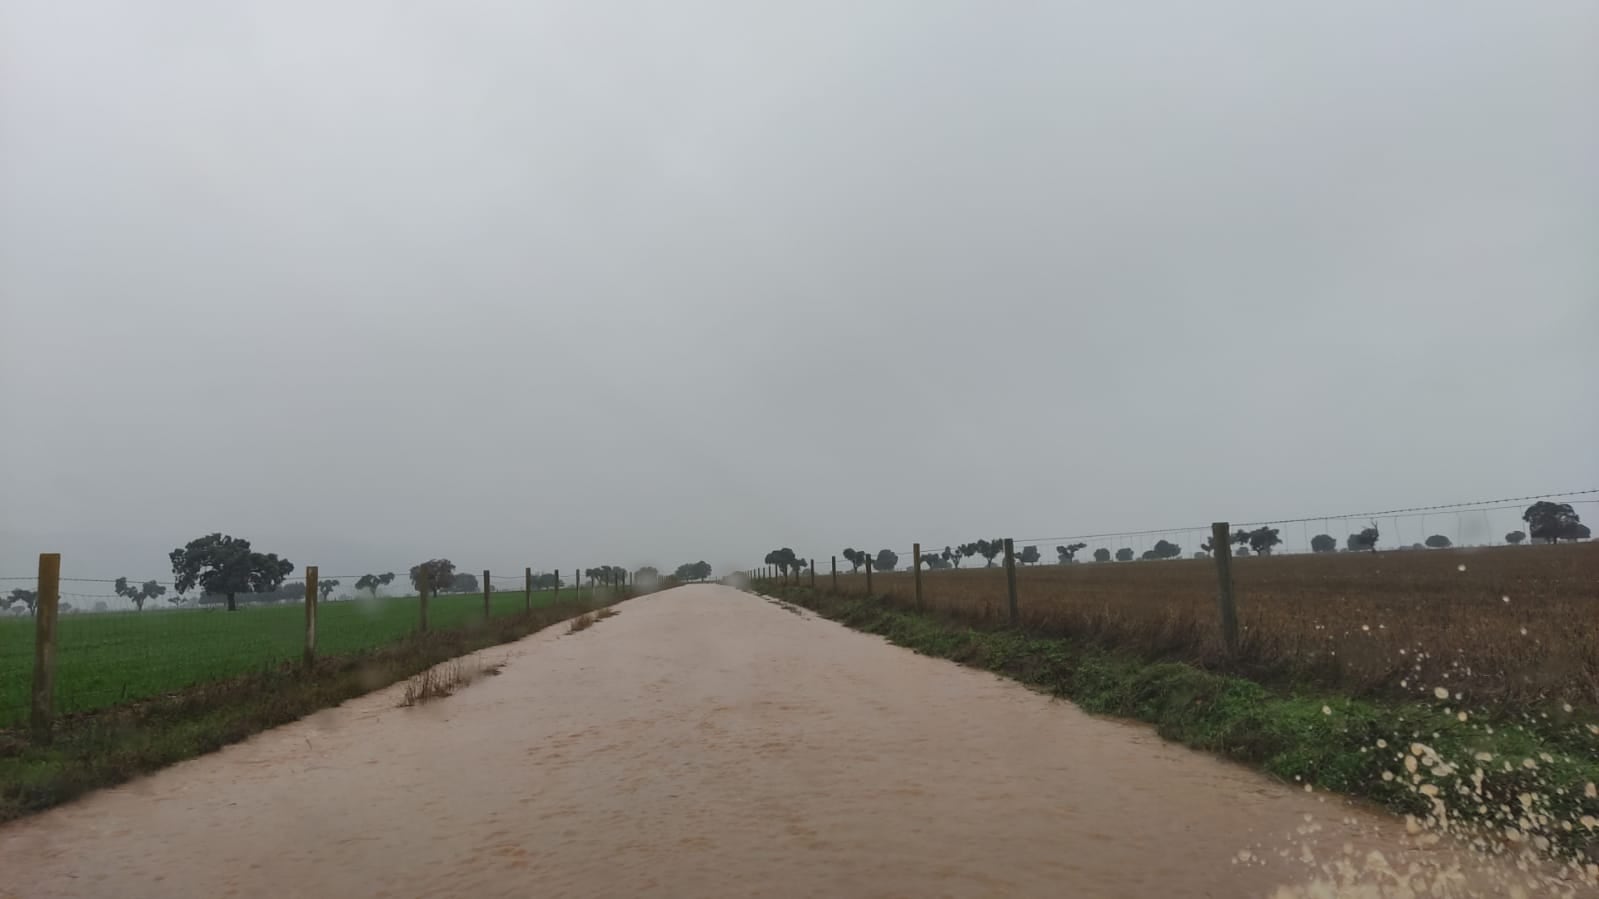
[[1413, 510]]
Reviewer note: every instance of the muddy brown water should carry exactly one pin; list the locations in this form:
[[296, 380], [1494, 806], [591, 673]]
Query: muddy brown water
[[705, 742]]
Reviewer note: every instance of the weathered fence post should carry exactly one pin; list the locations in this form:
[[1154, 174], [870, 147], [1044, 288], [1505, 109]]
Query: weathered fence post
[[310, 614], [424, 583], [1222, 548], [486, 612], [1010, 580], [527, 589], [45, 609], [835, 574], [916, 560], [868, 576], [813, 574]]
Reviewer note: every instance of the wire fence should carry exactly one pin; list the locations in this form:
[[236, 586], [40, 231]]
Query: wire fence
[[1464, 524], [1480, 615], [120, 640]]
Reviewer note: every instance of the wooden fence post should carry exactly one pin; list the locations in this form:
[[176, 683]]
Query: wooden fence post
[[1222, 548], [916, 560], [45, 608], [486, 612], [868, 575], [310, 614], [527, 590], [835, 574], [1010, 580], [425, 583], [813, 574]]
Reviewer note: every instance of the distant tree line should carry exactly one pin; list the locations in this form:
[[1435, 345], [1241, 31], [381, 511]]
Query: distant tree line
[[1547, 522]]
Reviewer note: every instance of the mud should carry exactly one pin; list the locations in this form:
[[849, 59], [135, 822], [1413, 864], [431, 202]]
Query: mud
[[707, 743]]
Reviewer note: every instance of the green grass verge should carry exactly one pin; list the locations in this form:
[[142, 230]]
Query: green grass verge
[[1482, 775], [108, 658], [108, 746]]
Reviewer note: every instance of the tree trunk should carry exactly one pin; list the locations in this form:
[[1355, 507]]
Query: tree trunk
[[231, 606]]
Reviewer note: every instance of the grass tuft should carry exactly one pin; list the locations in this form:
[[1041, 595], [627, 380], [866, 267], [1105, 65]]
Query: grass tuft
[[443, 680]]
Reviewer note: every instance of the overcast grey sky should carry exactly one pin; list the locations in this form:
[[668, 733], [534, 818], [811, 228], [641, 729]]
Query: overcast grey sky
[[536, 283]]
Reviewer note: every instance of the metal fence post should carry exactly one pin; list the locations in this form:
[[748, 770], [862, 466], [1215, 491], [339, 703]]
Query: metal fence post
[[1010, 580], [310, 614], [1222, 548], [45, 608]]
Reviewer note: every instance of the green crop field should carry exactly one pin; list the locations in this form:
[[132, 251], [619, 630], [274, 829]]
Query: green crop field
[[106, 658]]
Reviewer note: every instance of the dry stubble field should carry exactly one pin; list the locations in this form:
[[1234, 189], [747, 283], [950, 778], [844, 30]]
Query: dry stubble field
[[1499, 624]]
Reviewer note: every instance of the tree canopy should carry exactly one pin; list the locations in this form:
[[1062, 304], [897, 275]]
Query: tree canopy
[[1029, 555], [988, 549], [1068, 553], [1554, 522], [463, 582], [886, 560], [1260, 540], [1515, 537], [439, 574], [1103, 555], [1323, 543], [29, 598], [1125, 554], [694, 571], [1365, 540], [856, 558], [371, 582], [1163, 549], [1438, 541], [227, 566], [785, 560], [139, 595]]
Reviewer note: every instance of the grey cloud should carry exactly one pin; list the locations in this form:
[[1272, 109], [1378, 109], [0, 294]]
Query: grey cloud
[[563, 283]]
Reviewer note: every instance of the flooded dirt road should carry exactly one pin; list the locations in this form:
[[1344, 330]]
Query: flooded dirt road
[[703, 742]]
